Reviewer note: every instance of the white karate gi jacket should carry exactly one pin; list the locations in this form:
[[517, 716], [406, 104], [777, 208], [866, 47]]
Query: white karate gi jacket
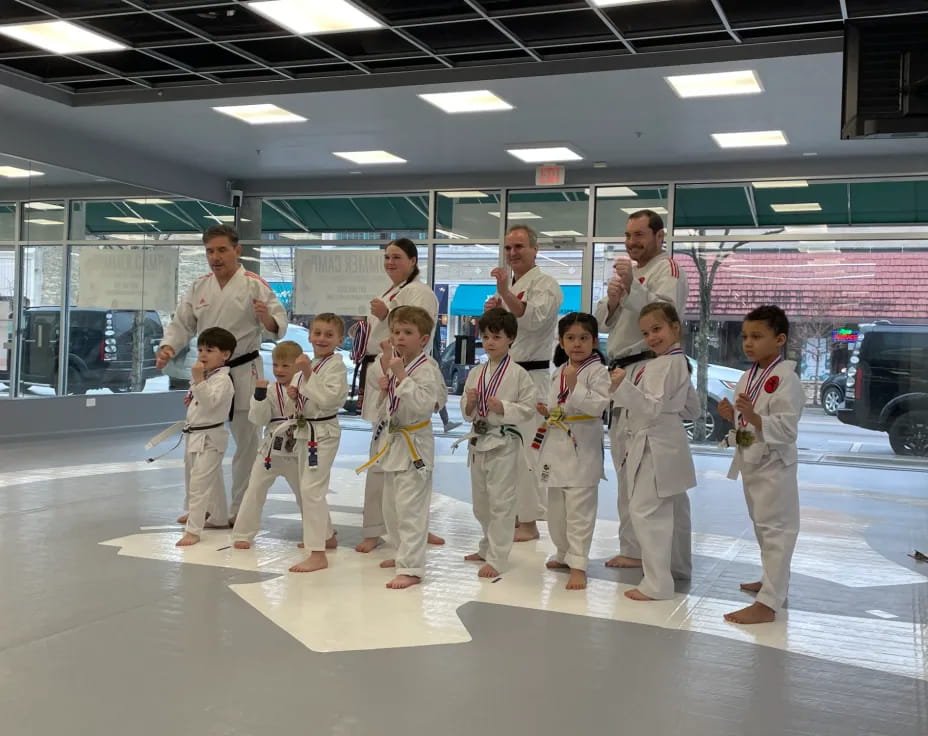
[[780, 410], [324, 393], [419, 393], [656, 407], [273, 413], [230, 307], [661, 280], [210, 403], [581, 465], [537, 334], [518, 394]]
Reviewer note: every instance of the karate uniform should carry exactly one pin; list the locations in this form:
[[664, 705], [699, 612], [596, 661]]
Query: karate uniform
[[404, 449], [206, 304], [535, 341], [321, 396], [496, 456], [414, 294], [659, 467], [660, 280], [769, 470], [210, 400], [571, 466]]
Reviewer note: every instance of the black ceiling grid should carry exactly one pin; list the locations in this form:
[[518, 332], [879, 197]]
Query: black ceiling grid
[[210, 43]]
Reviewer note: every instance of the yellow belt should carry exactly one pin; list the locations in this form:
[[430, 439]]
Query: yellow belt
[[405, 432], [561, 423]]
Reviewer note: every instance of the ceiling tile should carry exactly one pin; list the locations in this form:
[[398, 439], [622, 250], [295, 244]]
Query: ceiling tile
[[464, 36]]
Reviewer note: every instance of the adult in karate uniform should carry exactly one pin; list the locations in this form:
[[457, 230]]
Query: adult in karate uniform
[[647, 275], [401, 263], [241, 302], [535, 300]]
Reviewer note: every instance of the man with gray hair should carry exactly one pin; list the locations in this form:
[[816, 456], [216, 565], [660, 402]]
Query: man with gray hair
[[535, 300]]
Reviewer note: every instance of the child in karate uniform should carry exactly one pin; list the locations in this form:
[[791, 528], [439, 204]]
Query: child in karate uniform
[[658, 465], [768, 404], [498, 396], [322, 386], [411, 385], [208, 403], [571, 443]]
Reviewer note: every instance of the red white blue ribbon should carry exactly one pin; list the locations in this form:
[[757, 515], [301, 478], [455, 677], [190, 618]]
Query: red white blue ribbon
[[563, 391], [756, 379], [392, 383], [486, 390]]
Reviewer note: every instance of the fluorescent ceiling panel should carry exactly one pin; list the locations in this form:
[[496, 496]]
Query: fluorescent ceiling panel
[[263, 114], [750, 139], [306, 17], [616, 3], [12, 172], [784, 184], [464, 195], [615, 192], [42, 221], [797, 207], [225, 218], [561, 233], [369, 157], [61, 37], [150, 201], [548, 155], [132, 220], [44, 206], [518, 215], [481, 100], [719, 84], [657, 210], [300, 236]]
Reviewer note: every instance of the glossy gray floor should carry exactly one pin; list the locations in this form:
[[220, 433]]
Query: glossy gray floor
[[98, 643]]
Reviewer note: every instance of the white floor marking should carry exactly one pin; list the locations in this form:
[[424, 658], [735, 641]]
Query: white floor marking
[[881, 614], [159, 527], [347, 607]]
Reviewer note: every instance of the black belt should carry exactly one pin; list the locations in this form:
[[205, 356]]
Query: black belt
[[201, 427], [321, 419], [627, 360], [359, 377], [534, 365], [242, 359]]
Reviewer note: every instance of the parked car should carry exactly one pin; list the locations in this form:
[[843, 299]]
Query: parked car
[[886, 388], [721, 385], [455, 374], [178, 369], [831, 393], [102, 349]]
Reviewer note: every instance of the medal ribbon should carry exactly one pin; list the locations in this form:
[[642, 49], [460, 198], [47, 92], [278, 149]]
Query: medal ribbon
[[300, 399], [563, 391], [361, 338], [391, 384], [756, 379], [640, 372], [484, 390]]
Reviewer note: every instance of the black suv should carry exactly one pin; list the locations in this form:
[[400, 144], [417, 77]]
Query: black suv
[[100, 351], [887, 385]]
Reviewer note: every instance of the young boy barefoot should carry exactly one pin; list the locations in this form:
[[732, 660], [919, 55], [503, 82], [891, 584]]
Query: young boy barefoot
[[768, 403], [402, 445], [320, 389], [208, 403], [498, 396]]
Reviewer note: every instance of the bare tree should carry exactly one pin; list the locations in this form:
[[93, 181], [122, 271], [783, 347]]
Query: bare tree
[[812, 333]]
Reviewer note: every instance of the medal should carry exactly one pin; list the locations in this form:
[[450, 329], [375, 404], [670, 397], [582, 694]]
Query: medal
[[557, 414], [744, 438], [481, 426], [485, 390], [394, 425], [290, 441]]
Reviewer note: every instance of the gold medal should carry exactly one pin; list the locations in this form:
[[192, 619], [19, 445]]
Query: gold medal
[[744, 438], [557, 414], [481, 426]]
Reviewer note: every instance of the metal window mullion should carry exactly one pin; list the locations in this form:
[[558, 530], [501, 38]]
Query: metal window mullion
[[18, 284], [588, 265], [503, 222], [64, 317], [430, 229]]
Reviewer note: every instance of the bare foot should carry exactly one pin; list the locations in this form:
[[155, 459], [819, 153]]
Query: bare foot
[[751, 587], [368, 544], [637, 595], [487, 571], [577, 580], [242, 545], [331, 542], [435, 539], [526, 532], [388, 563], [756, 613], [624, 561], [182, 519], [474, 557], [403, 581], [555, 565], [187, 540], [315, 561]]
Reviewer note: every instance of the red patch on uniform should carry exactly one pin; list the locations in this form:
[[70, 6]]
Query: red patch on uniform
[[520, 295], [772, 384], [641, 279], [202, 301]]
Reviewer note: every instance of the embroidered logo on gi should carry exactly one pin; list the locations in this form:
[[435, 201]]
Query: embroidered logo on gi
[[202, 302], [520, 295], [772, 384], [641, 279]]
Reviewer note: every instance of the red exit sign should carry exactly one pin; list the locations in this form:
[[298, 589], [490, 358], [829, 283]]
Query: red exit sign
[[549, 175]]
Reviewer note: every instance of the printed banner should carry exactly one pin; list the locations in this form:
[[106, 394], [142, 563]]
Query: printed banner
[[339, 280], [122, 278]]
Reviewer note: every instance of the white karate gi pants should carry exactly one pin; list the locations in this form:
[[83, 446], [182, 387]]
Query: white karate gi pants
[[771, 491], [406, 498], [205, 488], [248, 520], [372, 523], [493, 478], [314, 485], [246, 447], [571, 518], [530, 504]]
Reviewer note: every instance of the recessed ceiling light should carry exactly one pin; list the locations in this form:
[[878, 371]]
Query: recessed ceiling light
[[615, 192], [463, 195], [150, 201], [719, 84], [752, 139], [260, 114], [797, 207], [61, 37], [615, 3], [561, 233], [547, 155], [41, 221], [784, 184], [315, 16], [300, 236], [518, 215], [132, 220], [42, 206], [11, 172], [369, 157], [600, 164], [632, 210], [810, 153], [225, 218], [481, 100]]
